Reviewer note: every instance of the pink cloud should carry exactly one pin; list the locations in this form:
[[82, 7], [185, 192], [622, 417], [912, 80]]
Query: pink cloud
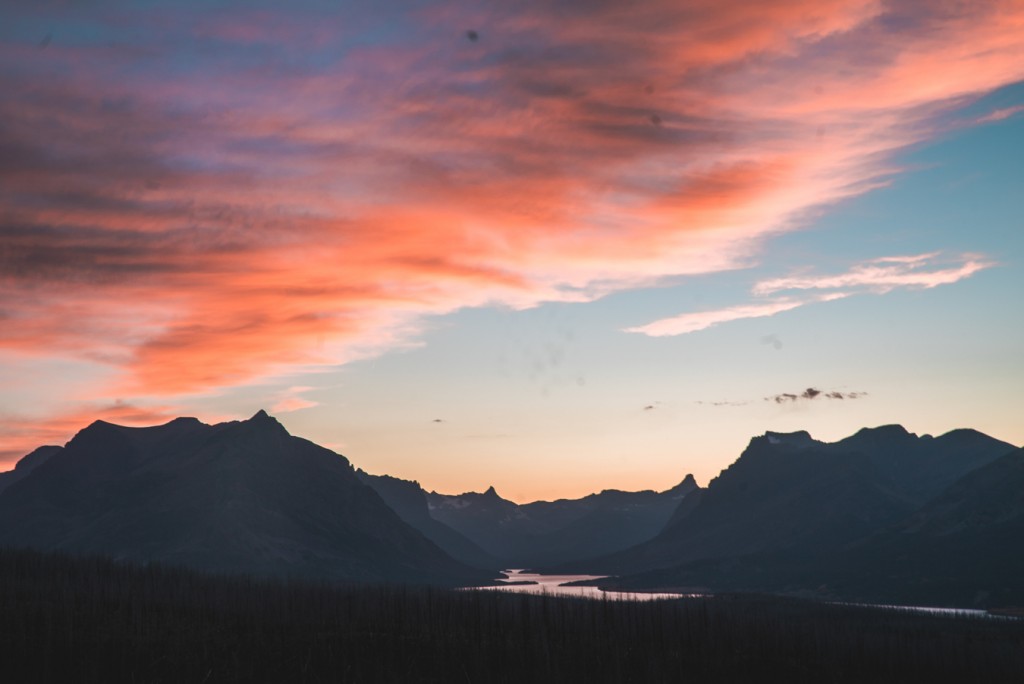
[[701, 320], [202, 230], [1000, 114], [291, 400]]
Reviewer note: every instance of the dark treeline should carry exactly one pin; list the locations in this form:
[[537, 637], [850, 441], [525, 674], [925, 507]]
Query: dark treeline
[[65, 619]]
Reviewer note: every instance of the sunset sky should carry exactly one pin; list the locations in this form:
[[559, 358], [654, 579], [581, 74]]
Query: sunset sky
[[553, 247]]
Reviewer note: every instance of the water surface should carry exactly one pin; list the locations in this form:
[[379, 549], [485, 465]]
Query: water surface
[[928, 610], [555, 585]]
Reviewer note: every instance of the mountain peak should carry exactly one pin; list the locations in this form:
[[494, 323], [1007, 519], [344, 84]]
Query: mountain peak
[[263, 419], [800, 438], [688, 485], [967, 435], [491, 492], [890, 431], [261, 425], [877, 437], [36, 458], [97, 430], [184, 420]]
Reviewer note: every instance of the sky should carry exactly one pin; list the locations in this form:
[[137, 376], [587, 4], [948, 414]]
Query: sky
[[553, 247]]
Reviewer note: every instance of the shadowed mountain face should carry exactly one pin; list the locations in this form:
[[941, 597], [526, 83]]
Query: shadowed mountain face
[[848, 520], [964, 546], [919, 468], [26, 465], [784, 490], [409, 501], [234, 497], [789, 491], [567, 530], [960, 549], [989, 497]]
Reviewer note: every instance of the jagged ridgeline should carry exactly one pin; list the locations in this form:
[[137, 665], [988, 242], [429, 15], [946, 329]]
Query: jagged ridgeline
[[883, 515], [246, 496], [486, 529]]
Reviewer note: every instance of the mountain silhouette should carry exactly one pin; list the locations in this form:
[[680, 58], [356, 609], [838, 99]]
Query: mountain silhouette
[[409, 501], [562, 531], [787, 490], [236, 497], [850, 520], [963, 547], [881, 516], [26, 465]]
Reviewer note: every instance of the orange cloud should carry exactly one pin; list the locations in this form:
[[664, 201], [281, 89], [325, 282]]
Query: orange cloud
[[200, 230]]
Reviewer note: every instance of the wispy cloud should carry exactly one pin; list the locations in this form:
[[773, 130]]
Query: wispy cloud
[[292, 400], [1000, 114], [882, 275], [692, 322], [875, 277], [722, 403]]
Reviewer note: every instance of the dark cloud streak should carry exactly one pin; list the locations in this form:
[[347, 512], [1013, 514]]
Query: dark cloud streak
[[811, 394]]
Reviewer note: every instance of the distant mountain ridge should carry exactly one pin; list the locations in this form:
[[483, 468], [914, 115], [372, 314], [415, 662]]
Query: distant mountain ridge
[[242, 496], [409, 501], [550, 532], [486, 530]]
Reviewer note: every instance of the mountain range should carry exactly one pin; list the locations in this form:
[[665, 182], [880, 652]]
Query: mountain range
[[883, 515], [551, 532], [237, 497], [247, 497], [788, 490], [488, 531]]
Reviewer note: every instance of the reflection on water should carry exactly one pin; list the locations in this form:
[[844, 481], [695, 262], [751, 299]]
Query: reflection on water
[[554, 585], [926, 610]]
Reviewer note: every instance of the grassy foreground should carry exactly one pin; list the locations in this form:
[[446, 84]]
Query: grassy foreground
[[74, 619]]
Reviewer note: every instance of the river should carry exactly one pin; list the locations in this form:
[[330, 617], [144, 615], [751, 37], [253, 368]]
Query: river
[[555, 585]]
